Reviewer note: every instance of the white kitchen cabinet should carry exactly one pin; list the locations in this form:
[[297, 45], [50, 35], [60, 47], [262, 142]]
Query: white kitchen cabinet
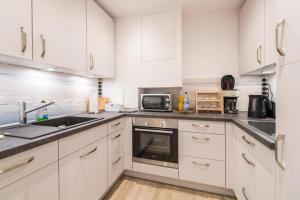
[[158, 36], [127, 149], [288, 31], [205, 171], [209, 146], [16, 28], [23, 164], [252, 179], [287, 128], [42, 184], [59, 33], [115, 156], [100, 41], [252, 30], [83, 174]]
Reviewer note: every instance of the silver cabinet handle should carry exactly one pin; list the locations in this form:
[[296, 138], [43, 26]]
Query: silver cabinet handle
[[279, 39], [247, 161], [17, 166], [248, 142], [116, 124], [258, 54], [116, 137], [91, 62], [279, 138], [23, 39], [203, 165], [43, 40], [88, 153], [202, 140], [244, 193], [117, 161], [201, 125]]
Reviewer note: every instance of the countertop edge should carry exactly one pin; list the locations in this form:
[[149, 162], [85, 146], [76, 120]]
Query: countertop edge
[[65, 133]]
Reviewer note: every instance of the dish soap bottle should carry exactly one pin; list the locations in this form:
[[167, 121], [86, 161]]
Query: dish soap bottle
[[180, 102], [42, 114]]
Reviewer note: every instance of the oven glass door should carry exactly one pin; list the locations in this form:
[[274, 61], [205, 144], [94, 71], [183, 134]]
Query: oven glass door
[[155, 144], [156, 103]]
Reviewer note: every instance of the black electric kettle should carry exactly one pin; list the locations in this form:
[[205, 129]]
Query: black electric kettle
[[259, 106]]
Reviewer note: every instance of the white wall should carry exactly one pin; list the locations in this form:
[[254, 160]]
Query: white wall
[[210, 44]]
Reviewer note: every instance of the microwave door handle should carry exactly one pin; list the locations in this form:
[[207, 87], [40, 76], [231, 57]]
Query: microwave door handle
[[153, 131]]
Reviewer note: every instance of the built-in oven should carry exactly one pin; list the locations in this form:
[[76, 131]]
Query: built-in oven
[[156, 102], [155, 141]]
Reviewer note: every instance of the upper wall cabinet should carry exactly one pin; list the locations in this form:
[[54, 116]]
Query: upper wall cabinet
[[158, 36], [252, 30], [59, 28], [16, 29], [287, 31], [100, 41]]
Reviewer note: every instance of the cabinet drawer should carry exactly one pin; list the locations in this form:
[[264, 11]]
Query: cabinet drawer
[[203, 171], [115, 125], [115, 170], [18, 166], [258, 150], [75, 142], [202, 126], [209, 146]]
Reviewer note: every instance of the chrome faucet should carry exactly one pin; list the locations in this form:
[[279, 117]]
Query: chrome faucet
[[23, 111]]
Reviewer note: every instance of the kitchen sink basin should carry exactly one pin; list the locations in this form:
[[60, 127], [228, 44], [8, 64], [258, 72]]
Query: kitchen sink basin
[[39, 129], [66, 122]]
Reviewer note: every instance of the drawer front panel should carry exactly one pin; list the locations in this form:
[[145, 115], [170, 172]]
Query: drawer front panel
[[115, 125], [202, 126], [18, 166], [203, 171], [75, 142], [208, 146]]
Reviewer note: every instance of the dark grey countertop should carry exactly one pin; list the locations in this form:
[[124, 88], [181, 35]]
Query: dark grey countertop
[[11, 145]]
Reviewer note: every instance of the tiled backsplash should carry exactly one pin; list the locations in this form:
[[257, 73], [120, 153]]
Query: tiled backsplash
[[245, 87], [69, 92]]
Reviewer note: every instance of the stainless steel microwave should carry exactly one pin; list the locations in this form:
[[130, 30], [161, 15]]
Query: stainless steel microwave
[[156, 102]]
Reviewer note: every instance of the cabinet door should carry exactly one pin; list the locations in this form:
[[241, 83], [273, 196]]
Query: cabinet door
[[83, 174], [59, 28], [289, 31], [16, 28], [288, 179], [42, 184], [158, 36], [252, 20], [100, 41]]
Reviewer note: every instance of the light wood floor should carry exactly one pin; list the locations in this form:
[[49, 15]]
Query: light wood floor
[[130, 188]]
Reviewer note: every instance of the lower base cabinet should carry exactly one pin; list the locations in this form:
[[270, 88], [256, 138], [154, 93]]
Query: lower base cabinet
[[42, 184], [210, 172], [83, 174], [252, 180]]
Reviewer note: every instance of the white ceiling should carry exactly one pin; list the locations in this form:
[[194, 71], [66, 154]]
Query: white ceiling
[[118, 8]]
